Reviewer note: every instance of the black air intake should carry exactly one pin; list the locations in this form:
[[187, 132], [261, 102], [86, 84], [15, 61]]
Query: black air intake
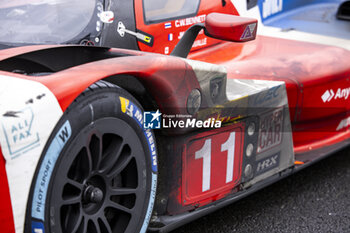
[[344, 11]]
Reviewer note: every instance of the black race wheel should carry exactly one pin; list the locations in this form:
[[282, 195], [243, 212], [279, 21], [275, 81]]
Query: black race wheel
[[98, 171]]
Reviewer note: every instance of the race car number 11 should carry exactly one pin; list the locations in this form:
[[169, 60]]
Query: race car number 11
[[212, 164], [205, 154]]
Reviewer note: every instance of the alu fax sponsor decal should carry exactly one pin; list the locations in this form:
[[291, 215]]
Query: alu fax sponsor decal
[[19, 133], [46, 169], [133, 111], [340, 93], [270, 130], [267, 164]]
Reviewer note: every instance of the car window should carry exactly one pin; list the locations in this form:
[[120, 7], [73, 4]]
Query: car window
[[43, 21], [162, 10]]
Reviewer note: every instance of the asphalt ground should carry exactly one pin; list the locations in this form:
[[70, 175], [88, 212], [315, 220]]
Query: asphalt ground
[[316, 199]]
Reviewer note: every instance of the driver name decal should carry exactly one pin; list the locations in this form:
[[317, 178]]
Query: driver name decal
[[190, 21]]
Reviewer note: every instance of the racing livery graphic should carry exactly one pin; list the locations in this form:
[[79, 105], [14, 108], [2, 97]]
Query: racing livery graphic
[[140, 116]]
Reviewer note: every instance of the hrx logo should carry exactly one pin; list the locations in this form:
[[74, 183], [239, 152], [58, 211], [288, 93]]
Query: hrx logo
[[152, 120], [267, 164]]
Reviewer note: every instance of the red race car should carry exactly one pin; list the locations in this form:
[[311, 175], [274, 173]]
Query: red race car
[[165, 112]]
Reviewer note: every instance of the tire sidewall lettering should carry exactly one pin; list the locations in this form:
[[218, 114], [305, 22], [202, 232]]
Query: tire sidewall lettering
[[133, 111], [45, 171]]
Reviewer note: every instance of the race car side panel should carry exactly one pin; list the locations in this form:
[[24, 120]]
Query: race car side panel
[[169, 80], [40, 100], [27, 119]]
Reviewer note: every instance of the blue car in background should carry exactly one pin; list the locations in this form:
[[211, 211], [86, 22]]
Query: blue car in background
[[325, 17], [317, 21]]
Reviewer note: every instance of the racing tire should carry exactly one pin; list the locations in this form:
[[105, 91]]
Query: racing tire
[[98, 171]]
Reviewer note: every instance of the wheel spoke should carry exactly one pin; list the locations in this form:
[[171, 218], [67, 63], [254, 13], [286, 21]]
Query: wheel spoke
[[120, 167], [90, 161], [71, 200], [85, 225], [117, 206], [106, 224], [78, 223], [81, 167], [97, 226], [72, 218], [95, 150], [74, 183], [111, 158], [122, 191]]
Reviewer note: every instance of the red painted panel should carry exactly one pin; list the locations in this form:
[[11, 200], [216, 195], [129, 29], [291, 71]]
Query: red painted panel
[[6, 218], [193, 167]]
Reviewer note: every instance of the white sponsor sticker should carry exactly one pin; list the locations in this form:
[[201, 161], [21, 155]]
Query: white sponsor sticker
[[271, 7], [107, 17], [344, 124], [340, 93], [28, 114]]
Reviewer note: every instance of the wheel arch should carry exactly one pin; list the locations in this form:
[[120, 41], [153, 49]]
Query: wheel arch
[[165, 81], [168, 80], [133, 85]]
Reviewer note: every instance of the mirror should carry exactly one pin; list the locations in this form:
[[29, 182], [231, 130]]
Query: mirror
[[231, 27], [219, 26]]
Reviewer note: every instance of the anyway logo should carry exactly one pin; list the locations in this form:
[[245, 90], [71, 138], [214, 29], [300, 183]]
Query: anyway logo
[[18, 132], [340, 94], [152, 120], [343, 124]]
